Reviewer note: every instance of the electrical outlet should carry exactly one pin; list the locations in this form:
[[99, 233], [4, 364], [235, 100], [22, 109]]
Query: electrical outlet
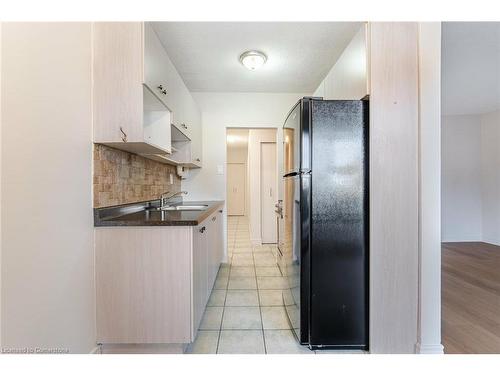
[[220, 169]]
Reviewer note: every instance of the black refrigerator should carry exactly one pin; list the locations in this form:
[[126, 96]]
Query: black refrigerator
[[323, 239]]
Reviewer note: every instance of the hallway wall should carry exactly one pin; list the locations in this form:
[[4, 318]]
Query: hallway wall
[[461, 178]]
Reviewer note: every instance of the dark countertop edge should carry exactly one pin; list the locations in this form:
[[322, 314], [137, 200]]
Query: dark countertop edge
[[116, 222]]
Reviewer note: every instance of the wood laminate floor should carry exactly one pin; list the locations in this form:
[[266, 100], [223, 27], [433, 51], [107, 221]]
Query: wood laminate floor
[[470, 297]]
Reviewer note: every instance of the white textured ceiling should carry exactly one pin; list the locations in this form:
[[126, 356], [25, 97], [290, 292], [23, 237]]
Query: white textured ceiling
[[470, 67], [300, 54]]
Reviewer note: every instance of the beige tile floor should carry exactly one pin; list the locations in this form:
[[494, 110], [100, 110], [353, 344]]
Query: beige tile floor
[[245, 312]]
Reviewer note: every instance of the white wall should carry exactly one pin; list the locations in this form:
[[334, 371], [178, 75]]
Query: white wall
[[48, 297], [490, 177], [230, 110], [461, 178], [348, 77]]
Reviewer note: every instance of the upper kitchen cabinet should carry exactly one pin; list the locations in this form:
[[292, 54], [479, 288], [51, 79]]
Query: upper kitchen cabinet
[[127, 114], [139, 97], [193, 122], [164, 80]]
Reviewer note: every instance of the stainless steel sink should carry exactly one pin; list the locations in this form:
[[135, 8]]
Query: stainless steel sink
[[185, 207]]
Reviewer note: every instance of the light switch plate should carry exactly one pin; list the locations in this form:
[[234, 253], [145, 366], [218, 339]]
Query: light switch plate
[[220, 169]]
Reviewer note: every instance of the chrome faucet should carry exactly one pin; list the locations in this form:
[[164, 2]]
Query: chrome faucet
[[166, 196]]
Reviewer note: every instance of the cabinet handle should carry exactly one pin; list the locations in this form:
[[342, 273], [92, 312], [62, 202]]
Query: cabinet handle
[[202, 230], [184, 126], [164, 92], [198, 159], [220, 211], [160, 87], [124, 136], [213, 219]]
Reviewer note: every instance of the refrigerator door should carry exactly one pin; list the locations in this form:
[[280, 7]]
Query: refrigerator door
[[296, 216], [339, 225], [295, 249], [291, 141]]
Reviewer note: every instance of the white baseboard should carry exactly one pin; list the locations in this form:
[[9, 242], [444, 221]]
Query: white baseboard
[[445, 240], [492, 241], [429, 348]]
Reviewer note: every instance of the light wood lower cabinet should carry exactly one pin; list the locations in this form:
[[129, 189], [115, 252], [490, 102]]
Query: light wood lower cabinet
[[207, 256], [153, 283]]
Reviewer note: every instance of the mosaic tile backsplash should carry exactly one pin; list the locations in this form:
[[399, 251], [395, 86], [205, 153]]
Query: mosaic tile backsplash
[[121, 177]]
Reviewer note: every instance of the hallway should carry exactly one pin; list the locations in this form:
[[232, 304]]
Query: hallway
[[245, 313]]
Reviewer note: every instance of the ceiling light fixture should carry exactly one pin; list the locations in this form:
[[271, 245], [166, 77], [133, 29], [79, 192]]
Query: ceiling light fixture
[[253, 60]]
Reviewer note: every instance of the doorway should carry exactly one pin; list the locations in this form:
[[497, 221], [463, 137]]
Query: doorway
[[252, 181], [470, 187]]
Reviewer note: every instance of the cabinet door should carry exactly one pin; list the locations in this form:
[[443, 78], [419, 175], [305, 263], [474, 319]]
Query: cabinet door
[[215, 246], [200, 274], [157, 66], [194, 123], [183, 110], [143, 284], [220, 238], [210, 251], [117, 82]]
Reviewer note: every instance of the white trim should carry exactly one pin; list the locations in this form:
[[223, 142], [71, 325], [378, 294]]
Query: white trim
[[429, 348], [97, 349], [429, 302]]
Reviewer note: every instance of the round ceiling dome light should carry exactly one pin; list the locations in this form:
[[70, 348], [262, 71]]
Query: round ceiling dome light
[[253, 60]]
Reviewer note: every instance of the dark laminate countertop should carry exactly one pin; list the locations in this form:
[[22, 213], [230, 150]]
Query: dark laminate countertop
[[140, 214]]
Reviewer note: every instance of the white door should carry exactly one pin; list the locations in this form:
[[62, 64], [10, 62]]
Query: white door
[[268, 193], [236, 181]]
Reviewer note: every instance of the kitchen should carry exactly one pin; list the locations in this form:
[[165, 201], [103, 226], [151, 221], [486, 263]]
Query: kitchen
[[151, 139], [193, 230]]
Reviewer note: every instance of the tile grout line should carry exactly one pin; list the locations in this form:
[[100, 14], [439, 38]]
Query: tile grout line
[[254, 266], [260, 307], [224, 307], [225, 297]]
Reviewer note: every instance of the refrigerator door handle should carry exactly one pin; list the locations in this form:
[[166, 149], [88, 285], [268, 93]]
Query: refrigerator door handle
[[291, 174]]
